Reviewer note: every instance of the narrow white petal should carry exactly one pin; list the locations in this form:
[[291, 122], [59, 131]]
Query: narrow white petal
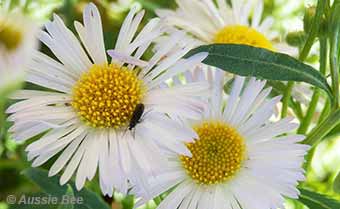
[[124, 30], [28, 94], [38, 101], [260, 116], [65, 156], [270, 130], [82, 169], [266, 24], [159, 54], [180, 67], [91, 34], [257, 15], [233, 98], [174, 199], [149, 32], [30, 132], [123, 58], [216, 99], [91, 156], [74, 162], [247, 99], [119, 178]]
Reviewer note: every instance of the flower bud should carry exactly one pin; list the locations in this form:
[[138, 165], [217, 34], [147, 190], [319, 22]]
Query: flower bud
[[296, 39], [308, 18]]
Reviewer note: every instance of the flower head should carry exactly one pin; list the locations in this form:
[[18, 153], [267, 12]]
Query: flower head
[[239, 160], [92, 115], [17, 41], [218, 22]]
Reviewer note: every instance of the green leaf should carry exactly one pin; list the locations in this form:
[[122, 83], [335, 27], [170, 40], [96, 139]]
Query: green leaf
[[47, 185], [128, 202], [50, 185], [325, 127], [70, 195], [278, 88], [261, 63], [336, 183], [317, 201]]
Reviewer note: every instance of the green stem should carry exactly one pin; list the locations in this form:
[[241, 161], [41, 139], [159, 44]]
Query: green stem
[[312, 34], [157, 200], [325, 111], [310, 113], [315, 98], [308, 159], [334, 33], [314, 30], [335, 75], [323, 129], [297, 109], [286, 98]]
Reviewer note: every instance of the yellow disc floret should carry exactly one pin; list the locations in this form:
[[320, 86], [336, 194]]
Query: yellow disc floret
[[238, 34], [10, 36], [217, 154], [107, 95]]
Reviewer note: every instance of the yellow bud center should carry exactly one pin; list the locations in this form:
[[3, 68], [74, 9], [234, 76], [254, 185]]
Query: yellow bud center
[[107, 95], [238, 34], [217, 154], [10, 36]]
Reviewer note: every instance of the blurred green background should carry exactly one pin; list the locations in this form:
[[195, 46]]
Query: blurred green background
[[288, 15]]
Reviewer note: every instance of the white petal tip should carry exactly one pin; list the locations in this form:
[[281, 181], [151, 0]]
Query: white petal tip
[[35, 164], [278, 98], [10, 110], [79, 186], [62, 181], [111, 52], [77, 25], [91, 4], [126, 58], [186, 153], [201, 56], [194, 135], [51, 173], [300, 137]]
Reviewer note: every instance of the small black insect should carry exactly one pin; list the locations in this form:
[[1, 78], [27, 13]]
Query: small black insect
[[136, 116]]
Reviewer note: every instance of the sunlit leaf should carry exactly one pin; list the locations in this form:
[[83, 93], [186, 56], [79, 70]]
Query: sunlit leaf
[[336, 184], [128, 202], [317, 201]]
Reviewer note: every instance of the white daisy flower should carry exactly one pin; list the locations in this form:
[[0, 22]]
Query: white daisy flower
[[93, 113], [239, 160], [17, 41], [210, 22], [217, 22]]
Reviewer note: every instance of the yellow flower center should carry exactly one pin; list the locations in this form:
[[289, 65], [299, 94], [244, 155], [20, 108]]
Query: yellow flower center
[[217, 155], [10, 36], [239, 34], [107, 95]]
